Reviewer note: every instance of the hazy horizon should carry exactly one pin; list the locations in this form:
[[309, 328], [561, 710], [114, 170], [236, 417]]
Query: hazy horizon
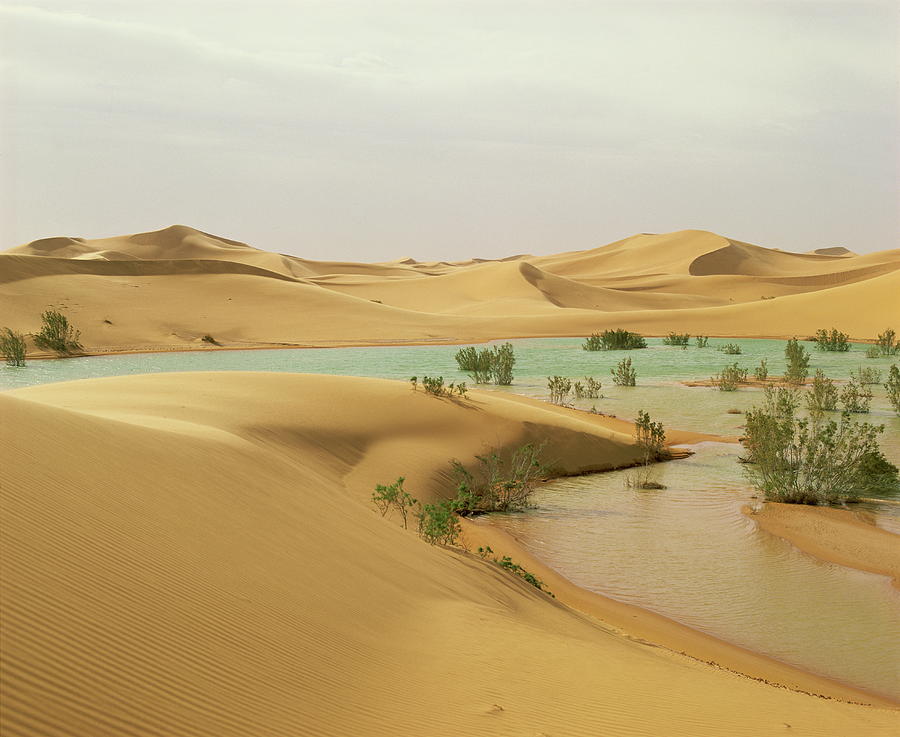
[[448, 130]]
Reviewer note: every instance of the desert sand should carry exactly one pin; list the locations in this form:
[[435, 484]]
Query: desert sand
[[837, 535], [167, 289], [195, 554]]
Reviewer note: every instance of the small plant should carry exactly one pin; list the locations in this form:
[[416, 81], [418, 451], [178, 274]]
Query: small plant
[[676, 339], [498, 485], [434, 385], [12, 346], [559, 387], [731, 349], [702, 340], [650, 437], [507, 563], [414, 382], [393, 496], [614, 340], [886, 343], [873, 352], [209, 339], [57, 334], [867, 375], [729, 377], [623, 374], [855, 398], [833, 340], [893, 388], [797, 362], [438, 524], [589, 390], [822, 395], [462, 390], [761, 372]]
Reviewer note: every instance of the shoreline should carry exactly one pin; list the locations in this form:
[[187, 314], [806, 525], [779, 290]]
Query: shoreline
[[834, 536]]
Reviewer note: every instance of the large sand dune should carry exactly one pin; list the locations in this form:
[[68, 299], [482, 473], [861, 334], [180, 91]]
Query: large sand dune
[[194, 554], [167, 289]]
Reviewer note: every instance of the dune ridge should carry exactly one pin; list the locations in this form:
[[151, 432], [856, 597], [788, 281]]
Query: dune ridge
[[165, 290], [193, 554]]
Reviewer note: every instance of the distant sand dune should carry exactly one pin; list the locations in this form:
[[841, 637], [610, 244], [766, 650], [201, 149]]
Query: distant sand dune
[[165, 289]]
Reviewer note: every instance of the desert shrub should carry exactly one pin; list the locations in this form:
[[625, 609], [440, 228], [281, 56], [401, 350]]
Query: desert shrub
[[886, 343], [434, 385], [507, 564], [488, 364], [731, 349], [438, 524], [650, 437], [873, 352], [676, 339], [855, 397], [462, 390], [702, 340], [393, 496], [729, 377], [623, 374], [498, 484], [503, 358], [893, 388], [209, 339], [12, 346], [57, 334], [761, 372], [589, 390], [414, 382], [797, 362], [833, 340], [559, 387], [813, 461], [614, 340], [822, 395], [867, 375]]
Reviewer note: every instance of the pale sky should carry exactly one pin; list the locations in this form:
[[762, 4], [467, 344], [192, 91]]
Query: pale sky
[[371, 130]]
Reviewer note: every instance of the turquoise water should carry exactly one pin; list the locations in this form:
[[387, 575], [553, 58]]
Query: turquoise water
[[687, 551]]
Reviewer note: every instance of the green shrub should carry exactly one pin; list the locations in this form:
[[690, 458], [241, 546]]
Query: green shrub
[[650, 438], [559, 387], [507, 564], [623, 374], [498, 484], [833, 340], [729, 377], [893, 388], [731, 349], [813, 461], [488, 364], [702, 341], [873, 352], [57, 334], [886, 343], [761, 372], [822, 395], [614, 340], [414, 382], [209, 339], [855, 397], [867, 375], [438, 524], [12, 346], [434, 385], [589, 390], [676, 339], [393, 496], [503, 358], [797, 362]]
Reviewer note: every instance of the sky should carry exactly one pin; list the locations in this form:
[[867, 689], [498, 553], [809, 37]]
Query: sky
[[374, 130]]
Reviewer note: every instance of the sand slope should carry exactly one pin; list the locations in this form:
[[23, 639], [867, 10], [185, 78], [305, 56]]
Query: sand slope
[[169, 288], [192, 554]]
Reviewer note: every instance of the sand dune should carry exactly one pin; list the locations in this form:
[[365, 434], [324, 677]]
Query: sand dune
[[166, 289], [193, 554]]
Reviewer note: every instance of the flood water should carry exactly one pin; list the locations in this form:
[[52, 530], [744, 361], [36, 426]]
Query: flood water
[[686, 551]]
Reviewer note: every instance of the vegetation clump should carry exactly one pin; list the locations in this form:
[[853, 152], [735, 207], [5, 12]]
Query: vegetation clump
[[867, 375], [209, 339], [833, 340], [57, 334], [559, 387], [438, 523], [731, 349], [393, 496], [728, 378], [761, 372], [887, 344], [855, 397], [487, 365], [702, 340], [822, 395], [650, 438], [12, 346], [614, 340], [873, 352], [624, 374], [507, 564], [813, 460], [676, 339], [893, 388], [590, 389], [498, 485], [797, 362]]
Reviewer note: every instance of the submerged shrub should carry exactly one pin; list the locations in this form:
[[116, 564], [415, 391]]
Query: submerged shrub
[[729, 377], [650, 437], [499, 484], [676, 339], [731, 349], [488, 364], [503, 358], [873, 352], [559, 387], [855, 397], [833, 340], [867, 375], [761, 372], [886, 343], [623, 374], [589, 390], [893, 388], [12, 346], [57, 334], [822, 395], [797, 362], [614, 340], [702, 341]]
